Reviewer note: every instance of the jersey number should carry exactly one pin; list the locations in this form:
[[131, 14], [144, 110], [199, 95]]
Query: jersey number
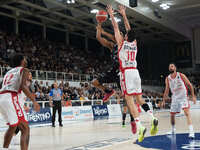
[[131, 55], [8, 78]]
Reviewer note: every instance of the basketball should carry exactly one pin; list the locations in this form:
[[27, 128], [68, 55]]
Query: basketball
[[101, 16]]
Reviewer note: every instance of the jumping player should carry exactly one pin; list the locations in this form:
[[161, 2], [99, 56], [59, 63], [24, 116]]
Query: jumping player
[[177, 83], [130, 78], [10, 106], [112, 75]]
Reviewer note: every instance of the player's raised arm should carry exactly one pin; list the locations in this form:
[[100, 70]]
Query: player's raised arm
[[166, 93], [122, 11], [102, 40], [118, 36], [26, 91], [188, 83]]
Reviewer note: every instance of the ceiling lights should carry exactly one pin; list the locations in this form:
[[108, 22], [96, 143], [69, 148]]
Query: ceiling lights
[[164, 6], [154, 1], [117, 19], [94, 11], [70, 1]]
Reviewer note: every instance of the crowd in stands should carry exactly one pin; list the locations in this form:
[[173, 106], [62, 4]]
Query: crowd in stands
[[48, 56], [85, 92], [195, 80]]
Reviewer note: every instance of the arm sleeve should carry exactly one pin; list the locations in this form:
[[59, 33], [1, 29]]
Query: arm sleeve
[[51, 93]]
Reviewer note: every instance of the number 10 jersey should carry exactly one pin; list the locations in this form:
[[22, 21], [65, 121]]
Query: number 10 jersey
[[127, 55]]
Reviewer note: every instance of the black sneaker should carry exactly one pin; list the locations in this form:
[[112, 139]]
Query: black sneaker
[[53, 125], [61, 125]]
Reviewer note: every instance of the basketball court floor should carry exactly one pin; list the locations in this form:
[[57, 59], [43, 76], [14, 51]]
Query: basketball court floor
[[109, 135]]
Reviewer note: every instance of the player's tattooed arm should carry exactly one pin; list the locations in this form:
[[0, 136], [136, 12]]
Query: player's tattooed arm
[[118, 37], [25, 89], [102, 40], [188, 83], [166, 93], [122, 11]]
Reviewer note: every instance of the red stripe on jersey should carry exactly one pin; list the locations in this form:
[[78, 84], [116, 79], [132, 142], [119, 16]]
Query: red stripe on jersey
[[3, 92], [184, 83], [21, 70]]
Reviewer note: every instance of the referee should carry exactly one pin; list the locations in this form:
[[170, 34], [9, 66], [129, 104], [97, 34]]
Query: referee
[[56, 95]]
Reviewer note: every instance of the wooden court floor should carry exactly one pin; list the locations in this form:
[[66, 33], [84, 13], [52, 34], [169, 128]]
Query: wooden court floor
[[109, 135]]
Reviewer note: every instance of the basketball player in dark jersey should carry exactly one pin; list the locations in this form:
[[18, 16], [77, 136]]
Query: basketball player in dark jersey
[[110, 75]]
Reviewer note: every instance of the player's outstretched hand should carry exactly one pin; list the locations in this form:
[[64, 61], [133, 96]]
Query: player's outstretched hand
[[99, 28], [36, 106], [163, 104], [194, 99], [110, 10], [32, 96], [122, 10]]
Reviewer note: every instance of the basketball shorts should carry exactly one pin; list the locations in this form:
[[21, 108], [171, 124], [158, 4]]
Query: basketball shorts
[[178, 104], [11, 109], [110, 76], [130, 82]]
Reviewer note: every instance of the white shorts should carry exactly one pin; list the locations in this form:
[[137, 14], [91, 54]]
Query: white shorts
[[178, 105], [11, 109], [130, 82]]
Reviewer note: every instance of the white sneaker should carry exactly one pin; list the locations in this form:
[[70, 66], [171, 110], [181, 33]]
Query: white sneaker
[[191, 135]]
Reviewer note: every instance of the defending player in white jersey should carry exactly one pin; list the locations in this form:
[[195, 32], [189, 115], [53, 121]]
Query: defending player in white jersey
[[177, 83], [130, 78], [10, 101]]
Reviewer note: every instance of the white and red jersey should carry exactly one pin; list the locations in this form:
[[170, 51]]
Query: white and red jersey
[[127, 55], [177, 87], [12, 80]]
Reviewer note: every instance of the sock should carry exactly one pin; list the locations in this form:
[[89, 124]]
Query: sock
[[173, 128], [138, 123], [132, 119], [191, 128], [123, 118], [150, 113]]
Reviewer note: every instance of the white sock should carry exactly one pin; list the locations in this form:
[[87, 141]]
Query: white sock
[[150, 113], [191, 128], [138, 123], [173, 128]]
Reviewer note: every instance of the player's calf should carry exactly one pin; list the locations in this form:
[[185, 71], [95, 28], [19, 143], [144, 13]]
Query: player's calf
[[25, 135], [189, 121], [8, 136]]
